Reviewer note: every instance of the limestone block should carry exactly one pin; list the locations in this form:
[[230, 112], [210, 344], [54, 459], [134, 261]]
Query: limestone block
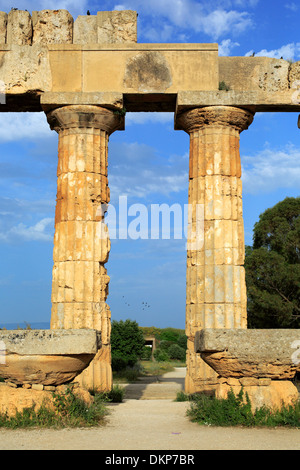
[[26, 68], [249, 353], [273, 395], [52, 27], [81, 241], [117, 27], [3, 27], [33, 342], [85, 30], [43, 369], [12, 400], [254, 73], [19, 28]]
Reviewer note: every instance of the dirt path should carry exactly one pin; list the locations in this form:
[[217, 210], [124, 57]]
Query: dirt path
[[150, 422]]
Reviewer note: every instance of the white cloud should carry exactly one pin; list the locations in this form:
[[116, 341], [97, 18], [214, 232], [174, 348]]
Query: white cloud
[[271, 169], [159, 19], [19, 126], [288, 52], [291, 6], [41, 231], [137, 171], [226, 46]]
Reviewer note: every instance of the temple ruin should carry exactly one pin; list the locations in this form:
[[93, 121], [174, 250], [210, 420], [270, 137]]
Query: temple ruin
[[85, 74]]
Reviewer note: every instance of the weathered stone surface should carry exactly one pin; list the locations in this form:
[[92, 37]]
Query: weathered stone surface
[[52, 27], [117, 27], [81, 242], [19, 28], [43, 369], [3, 27], [273, 395], [254, 73], [50, 342], [16, 399], [85, 30], [250, 353], [216, 288], [25, 68]]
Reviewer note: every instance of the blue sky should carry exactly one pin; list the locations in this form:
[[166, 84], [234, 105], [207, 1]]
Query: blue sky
[[148, 163]]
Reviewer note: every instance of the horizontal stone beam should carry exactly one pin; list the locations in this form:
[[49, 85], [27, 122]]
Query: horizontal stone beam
[[255, 101], [266, 343], [262, 353], [49, 342], [50, 100]]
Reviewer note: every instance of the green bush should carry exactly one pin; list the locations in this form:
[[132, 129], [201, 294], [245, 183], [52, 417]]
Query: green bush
[[161, 356], [176, 352], [127, 343], [236, 410], [146, 354], [69, 411]]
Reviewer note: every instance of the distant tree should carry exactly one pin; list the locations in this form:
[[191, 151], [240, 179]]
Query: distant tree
[[273, 268], [127, 343]]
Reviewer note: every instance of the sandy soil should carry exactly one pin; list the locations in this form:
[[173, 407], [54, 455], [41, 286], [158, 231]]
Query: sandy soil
[[150, 422]]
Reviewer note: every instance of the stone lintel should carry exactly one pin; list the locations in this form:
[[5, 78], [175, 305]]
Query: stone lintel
[[264, 343], [111, 100], [50, 342], [254, 101]]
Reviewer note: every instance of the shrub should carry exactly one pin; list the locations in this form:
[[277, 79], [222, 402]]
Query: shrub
[[161, 356], [127, 342], [176, 352], [68, 411], [236, 410]]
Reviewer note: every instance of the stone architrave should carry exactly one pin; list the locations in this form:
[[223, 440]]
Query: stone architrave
[[81, 241], [216, 289]]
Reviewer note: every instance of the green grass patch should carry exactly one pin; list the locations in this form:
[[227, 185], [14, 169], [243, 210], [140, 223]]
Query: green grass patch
[[236, 410], [68, 411]]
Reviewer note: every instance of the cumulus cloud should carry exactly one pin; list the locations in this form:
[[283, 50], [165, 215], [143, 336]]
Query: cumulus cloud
[[41, 231], [226, 46], [20, 126], [271, 169], [159, 20], [289, 51], [138, 171]]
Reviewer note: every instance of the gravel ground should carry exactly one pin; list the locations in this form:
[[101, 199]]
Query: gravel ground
[[151, 423]]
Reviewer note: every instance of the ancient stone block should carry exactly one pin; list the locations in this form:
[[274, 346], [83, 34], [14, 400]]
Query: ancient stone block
[[3, 27], [273, 395], [249, 353], [19, 28], [85, 30], [34, 342], [117, 27], [52, 27], [13, 400]]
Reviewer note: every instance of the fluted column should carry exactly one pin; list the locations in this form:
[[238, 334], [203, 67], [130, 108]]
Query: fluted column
[[216, 289], [81, 242]]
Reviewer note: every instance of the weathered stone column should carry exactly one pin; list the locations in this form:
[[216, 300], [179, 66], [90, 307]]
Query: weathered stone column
[[81, 242], [216, 289]]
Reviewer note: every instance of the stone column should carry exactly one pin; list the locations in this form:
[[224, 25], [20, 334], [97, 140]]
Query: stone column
[[216, 289], [81, 242]]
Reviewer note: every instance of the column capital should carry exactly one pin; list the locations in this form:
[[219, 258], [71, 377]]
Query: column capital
[[194, 119], [85, 116]]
